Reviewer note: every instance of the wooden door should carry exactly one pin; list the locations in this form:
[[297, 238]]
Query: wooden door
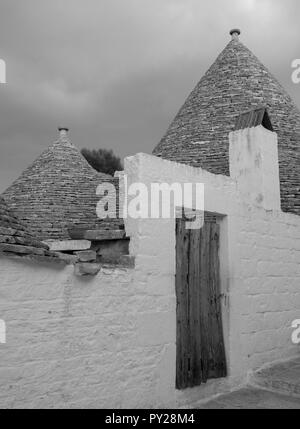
[[200, 344]]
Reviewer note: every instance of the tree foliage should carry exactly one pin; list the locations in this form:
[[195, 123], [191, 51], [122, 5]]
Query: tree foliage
[[103, 160]]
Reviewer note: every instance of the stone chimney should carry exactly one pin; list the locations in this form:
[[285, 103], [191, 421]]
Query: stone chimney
[[235, 33], [63, 133], [253, 155]]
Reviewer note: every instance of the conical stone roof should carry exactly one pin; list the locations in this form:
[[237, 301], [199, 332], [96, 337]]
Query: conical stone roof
[[57, 191], [235, 83], [15, 237]]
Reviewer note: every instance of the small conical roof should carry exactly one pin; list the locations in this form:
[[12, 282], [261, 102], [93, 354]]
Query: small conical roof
[[56, 191], [235, 83]]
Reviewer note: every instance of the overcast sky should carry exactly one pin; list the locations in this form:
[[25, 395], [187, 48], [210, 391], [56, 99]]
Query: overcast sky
[[117, 71]]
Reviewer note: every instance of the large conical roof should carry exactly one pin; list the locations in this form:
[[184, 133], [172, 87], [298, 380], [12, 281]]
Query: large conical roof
[[236, 82], [58, 190]]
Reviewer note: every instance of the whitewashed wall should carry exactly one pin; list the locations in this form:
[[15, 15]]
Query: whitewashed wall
[[74, 342], [260, 258], [110, 341]]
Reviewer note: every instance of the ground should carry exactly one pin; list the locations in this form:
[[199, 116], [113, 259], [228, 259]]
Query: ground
[[274, 387], [253, 398]]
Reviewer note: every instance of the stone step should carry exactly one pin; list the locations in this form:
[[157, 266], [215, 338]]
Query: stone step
[[282, 378]]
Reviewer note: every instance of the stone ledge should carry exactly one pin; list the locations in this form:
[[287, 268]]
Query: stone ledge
[[97, 234], [24, 240], [33, 258], [81, 267], [19, 249], [68, 245]]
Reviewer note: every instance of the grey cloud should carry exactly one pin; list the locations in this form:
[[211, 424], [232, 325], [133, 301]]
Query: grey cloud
[[117, 71]]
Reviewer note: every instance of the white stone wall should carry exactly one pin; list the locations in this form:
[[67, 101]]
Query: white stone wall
[[74, 342], [260, 260], [269, 271], [110, 341], [254, 165]]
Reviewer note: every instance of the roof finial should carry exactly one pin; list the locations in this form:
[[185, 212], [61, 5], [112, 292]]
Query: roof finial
[[63, 132], [235, 33]]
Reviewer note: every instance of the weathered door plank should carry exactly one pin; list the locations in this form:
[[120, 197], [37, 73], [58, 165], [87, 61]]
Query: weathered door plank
[[200, 345]]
